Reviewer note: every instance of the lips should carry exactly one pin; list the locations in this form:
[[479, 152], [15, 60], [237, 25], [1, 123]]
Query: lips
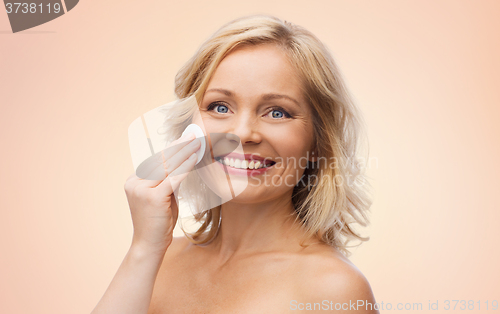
[[249, 157]]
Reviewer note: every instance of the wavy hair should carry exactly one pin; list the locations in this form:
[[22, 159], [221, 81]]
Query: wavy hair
[[339, 197]]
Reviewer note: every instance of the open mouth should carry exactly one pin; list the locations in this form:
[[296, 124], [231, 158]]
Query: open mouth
[[245, 164]]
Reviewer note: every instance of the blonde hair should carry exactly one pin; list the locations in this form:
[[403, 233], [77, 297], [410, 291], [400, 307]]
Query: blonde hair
[[330, 207]]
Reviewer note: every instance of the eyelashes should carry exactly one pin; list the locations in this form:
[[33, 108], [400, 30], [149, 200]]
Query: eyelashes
[[215, 104], [286, 115]]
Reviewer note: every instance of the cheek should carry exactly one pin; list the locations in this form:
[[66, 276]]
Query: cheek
[[197, 118], [291, 148], [295, 141], [296, 152], [210, 124]]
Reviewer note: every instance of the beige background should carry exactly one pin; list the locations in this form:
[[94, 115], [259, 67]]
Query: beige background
[[425, 74]]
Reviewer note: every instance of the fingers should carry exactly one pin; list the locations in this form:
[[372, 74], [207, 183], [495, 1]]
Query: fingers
[[178, 144], [168, 163], [174, 179], [155, 167], [132, 181], [158, 166], [174, 161]]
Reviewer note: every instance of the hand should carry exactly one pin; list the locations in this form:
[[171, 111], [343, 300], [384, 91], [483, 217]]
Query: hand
[[152, 202]]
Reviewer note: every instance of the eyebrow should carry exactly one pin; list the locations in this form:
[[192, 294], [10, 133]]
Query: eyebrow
[[270, 96]]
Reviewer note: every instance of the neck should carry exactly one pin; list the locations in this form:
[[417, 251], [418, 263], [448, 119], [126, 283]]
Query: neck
[[257, 227]]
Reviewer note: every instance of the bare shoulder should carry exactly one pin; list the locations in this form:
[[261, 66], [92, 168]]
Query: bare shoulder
[[161, 285], [327, 277], [178, 245]]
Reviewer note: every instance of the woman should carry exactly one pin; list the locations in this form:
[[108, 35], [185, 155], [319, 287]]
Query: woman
[[281, 244]]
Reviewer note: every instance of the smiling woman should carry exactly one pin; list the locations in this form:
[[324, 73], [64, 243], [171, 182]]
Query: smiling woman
[[282, 242], [293, 78]]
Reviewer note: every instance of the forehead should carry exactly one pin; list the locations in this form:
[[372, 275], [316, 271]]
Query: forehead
[[254, 70]]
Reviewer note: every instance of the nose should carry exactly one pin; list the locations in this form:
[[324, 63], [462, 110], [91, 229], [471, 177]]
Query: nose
[[246, 127]]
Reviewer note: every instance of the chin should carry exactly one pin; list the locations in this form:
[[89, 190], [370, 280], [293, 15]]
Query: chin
[[250, 195]]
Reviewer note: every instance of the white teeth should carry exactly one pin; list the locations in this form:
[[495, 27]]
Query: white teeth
[[243, 164]]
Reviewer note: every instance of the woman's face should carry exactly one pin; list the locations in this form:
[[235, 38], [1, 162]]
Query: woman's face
[[255, 94]]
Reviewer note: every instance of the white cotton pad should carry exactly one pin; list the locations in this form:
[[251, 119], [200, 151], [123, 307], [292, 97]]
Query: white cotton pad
[[198, 132]]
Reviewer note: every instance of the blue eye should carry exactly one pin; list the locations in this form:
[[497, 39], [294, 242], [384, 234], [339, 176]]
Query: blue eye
[[279, 113], [218, 105], [276, 112], [223, 107]]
